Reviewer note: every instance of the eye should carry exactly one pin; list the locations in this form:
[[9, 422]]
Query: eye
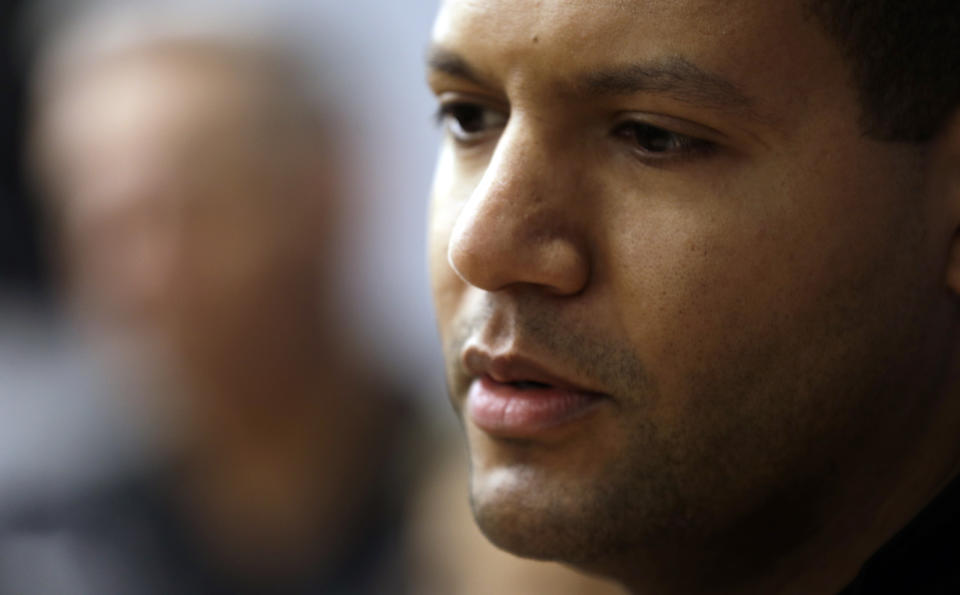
[[660, 143], [470, 122]]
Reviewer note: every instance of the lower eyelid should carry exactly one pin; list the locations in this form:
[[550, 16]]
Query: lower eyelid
[[471, 139]]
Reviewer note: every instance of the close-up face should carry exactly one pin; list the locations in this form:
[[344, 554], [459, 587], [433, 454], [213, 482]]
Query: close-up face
[[674, 278]]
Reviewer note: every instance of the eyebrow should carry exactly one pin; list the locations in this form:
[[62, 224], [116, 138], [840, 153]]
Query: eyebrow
[[673, 76], [441, 59]]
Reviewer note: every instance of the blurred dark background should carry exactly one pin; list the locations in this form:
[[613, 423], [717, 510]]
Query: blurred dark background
[[23, 269]]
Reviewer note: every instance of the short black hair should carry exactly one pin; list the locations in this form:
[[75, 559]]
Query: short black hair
[[905, 61]]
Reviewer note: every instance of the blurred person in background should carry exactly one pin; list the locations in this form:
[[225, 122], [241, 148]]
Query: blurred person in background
[[193, 176], [196, 174]]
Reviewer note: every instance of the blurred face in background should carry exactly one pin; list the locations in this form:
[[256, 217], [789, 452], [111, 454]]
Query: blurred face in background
[[673, 277], [190, 210]]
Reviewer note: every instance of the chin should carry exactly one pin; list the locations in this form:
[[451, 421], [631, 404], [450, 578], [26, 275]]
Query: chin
[[532, 512], [599, 495], [524, 522]]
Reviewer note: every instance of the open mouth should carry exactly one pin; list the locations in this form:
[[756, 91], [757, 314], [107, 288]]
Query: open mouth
[[528, 384]]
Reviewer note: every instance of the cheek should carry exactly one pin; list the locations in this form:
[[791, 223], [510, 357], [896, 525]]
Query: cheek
[[685, 292], [762, 285], [451, 189], [711, 293]]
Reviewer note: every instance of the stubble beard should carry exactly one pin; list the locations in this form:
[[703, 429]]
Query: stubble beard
[[717, 477], [579, 520]]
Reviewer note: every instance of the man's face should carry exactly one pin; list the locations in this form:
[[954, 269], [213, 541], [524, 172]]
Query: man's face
[[674, 279]]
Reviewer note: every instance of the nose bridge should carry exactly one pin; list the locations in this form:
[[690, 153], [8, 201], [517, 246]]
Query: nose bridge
[[517, 226], [514, 185]]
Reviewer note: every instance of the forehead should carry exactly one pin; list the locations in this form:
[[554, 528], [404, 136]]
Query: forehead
[[573, 29], [769, 47]]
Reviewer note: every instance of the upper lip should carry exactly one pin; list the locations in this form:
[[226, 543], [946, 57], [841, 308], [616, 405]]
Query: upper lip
[[516, 367]]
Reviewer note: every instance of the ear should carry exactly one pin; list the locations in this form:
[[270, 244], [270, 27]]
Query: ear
[[943, 179]]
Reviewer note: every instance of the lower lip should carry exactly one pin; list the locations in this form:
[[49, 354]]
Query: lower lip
[[505, 410]]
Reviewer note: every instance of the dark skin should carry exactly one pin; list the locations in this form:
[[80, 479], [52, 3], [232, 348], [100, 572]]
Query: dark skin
[[673, 204]]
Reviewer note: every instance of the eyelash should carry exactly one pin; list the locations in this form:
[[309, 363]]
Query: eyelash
[[657, 143], [652, 143]]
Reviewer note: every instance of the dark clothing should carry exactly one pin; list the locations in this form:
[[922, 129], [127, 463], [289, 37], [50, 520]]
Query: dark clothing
[[87, 487], [923, 558], [128, 539], [87, 501]]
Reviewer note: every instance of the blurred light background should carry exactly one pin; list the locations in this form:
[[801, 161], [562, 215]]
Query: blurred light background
[[375, 57]]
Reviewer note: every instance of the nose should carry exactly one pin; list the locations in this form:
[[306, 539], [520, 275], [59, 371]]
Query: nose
[[523, 223]]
